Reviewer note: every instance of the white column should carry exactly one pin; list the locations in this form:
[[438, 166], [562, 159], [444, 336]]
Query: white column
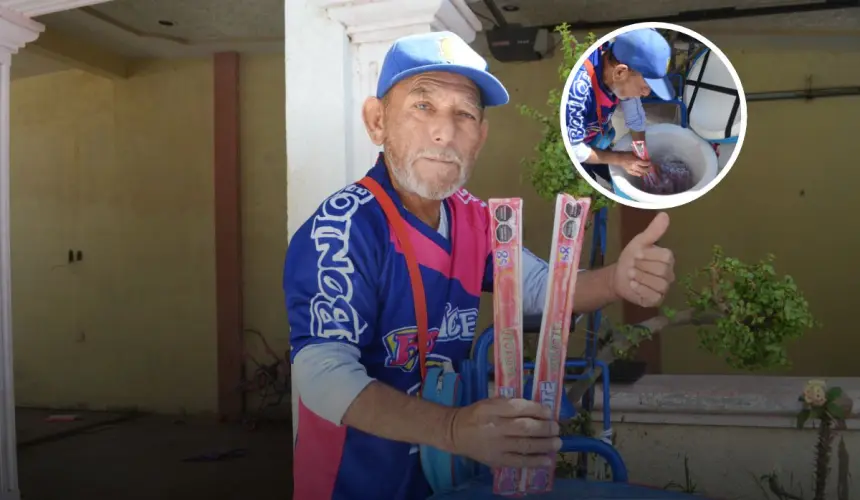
[[334, 50], [16, 30]]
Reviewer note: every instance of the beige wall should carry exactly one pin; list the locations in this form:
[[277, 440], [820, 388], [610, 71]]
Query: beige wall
[[791, 194], [790, 147], [264, 200], [123, 171]]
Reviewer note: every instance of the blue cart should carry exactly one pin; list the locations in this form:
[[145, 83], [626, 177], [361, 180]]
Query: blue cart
[[570, 489], [475, 376], [474, 482]]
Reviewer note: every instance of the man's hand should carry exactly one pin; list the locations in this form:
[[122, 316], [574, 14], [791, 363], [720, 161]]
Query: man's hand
[[644, 271], [501, 432], [632, 164]]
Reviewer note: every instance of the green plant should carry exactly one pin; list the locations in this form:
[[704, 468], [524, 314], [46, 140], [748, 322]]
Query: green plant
[[746, 314], [689, 485], [551, 170], [756, 310], [569, 466], [775, 487], [830, 408]]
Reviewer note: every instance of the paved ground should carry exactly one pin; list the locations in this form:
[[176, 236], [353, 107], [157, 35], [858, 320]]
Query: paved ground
[[145, 458]]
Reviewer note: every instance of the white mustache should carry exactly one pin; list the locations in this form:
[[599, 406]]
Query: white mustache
[[445, 155]]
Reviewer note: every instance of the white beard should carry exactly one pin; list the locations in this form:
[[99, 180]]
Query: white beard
[[406, 177]]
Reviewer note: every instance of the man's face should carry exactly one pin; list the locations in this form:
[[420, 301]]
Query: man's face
[[432, 128], [627, 83]]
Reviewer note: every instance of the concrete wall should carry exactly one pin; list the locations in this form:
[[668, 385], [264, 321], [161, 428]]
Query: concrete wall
[[728, 462], [122, 170]]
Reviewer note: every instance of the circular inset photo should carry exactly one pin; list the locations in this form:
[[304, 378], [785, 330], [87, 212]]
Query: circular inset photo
[[682, 119]]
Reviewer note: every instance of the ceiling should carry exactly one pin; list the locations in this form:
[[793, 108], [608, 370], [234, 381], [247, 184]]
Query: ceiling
[[176, 28], [193, 28], [549, 12], [136, 27]]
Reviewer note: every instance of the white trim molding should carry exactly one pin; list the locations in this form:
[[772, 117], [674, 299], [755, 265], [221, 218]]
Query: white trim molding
[[373, 22], [16, 30], [334, 51], [8, 441]]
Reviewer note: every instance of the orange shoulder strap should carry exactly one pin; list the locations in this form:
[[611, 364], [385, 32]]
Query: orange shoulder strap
[[595, 85], [402, 235]]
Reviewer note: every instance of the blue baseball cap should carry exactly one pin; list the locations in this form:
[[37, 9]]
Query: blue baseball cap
[[439, 51], [646, 51]]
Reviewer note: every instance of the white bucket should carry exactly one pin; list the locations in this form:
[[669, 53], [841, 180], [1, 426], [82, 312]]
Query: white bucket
[[666, 140], [724, 151]]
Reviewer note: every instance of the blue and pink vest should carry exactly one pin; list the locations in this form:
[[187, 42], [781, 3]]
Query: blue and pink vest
[[359, 293], [590, 103]]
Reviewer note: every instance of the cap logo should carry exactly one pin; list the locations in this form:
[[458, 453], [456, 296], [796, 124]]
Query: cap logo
[[448, 50], [453, 50]]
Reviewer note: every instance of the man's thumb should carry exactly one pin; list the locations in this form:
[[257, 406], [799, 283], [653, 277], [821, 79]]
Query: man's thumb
[[652, 234]]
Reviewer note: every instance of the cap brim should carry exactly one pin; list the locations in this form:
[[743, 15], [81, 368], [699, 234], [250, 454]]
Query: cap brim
[[493, 93], [662, 88]]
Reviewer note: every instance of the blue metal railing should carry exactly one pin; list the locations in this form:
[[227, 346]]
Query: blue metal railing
[[480, 367], [476, 379]]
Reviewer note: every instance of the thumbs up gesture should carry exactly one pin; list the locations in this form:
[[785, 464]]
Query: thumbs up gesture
[[644, 270]]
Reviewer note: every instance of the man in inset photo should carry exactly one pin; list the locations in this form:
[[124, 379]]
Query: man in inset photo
[[618, 73]]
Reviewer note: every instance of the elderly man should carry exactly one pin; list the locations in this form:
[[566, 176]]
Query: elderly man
[[354, 330], [618, 73]]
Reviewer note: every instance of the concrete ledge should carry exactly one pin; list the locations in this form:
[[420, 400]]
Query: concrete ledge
[[718, 400]]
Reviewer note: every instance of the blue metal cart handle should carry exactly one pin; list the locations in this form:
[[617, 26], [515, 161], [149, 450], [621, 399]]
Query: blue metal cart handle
[[582, 444], [481, 369]]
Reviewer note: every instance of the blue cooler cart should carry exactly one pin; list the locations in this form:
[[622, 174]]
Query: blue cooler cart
[[713, 104], [570, 489], [457, 478]]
